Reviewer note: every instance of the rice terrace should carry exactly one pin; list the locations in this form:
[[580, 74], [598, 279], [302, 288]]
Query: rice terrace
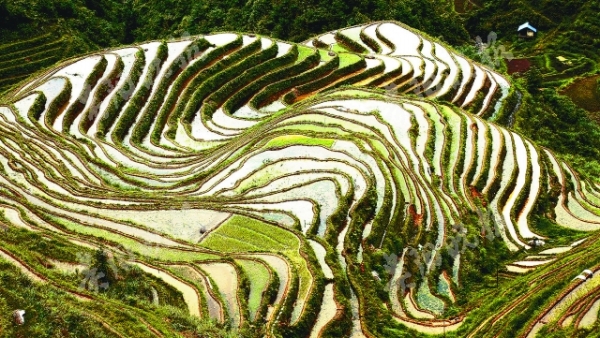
[[367, 181]]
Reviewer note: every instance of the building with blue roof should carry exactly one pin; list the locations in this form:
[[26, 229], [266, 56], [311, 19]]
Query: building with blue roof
[[526, 30]]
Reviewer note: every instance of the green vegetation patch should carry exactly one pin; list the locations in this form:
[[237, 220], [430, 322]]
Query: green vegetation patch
[[347, 59], [154, 252], [259, 277], [254, 235], [288, 140]]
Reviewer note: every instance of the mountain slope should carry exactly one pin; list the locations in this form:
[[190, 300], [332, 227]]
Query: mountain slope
[[338, 187]]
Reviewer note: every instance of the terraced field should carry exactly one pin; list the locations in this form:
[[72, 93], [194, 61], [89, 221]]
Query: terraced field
[[18, 60], [265, 180]]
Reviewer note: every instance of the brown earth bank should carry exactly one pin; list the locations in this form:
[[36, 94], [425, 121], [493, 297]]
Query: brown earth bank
[[585, 94]]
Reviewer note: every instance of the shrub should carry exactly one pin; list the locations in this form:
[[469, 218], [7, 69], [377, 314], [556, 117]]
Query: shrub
[[128, 117], [297, 74], [324, 80], [37, 107], [285, 69], [118, 100], [369, 41], [101, 93], [231, 70], [170, 112], [77, 106], [58, 103], [349, 43]]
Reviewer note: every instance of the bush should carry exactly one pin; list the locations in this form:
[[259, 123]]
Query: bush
[[77, 106], [170, 112], [297, 74], [102, 92], [371, 72], [323, 81], [118, 100], [350, 44], [231, 68], [128, 117], [252, 74], [58, 103], [37, 108], [194, 98], [369, 41], [286, 68], [178, 66], [534, 79], [143, 126]]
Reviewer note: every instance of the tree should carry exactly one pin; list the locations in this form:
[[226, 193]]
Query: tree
[[534, 79], [102, 262]]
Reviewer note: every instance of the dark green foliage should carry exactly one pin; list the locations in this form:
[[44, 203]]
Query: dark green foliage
[[9, 49], [124, 306], [118, 100], [512, 102], [292, 19], [324, 81], [220, 95], [365, 74], [86, 26], [198, 86], [193, 74], [299, 75], [17, 67], [101, 93], [77, 106], [27, 52], [319, 44], [280, 68], [576, 22], [269, 296], [58, 103], [451, 93], [231, 67], [37, 107], [192, 51], [479, 100], [313, 305], [391, 75], [100, 22], [350, 44], [41, 303], [463, 96], [553, 121], [369, 41], [534, 80], [127, 118], [288, 304]]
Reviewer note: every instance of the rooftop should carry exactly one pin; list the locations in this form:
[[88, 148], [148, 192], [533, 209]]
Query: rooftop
[[526, 25]]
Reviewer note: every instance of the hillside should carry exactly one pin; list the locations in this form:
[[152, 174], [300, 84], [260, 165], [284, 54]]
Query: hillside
[[563, 114], [84, 26], [357, 184], [35, 35]]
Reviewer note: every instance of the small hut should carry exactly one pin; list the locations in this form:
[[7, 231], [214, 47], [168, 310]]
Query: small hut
[[527, 31]]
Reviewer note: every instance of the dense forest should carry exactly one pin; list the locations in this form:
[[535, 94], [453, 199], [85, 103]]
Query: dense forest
[[106, 23]]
